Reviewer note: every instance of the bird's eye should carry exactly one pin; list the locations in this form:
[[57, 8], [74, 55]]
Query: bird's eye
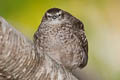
[[59, 15], [49, 16]]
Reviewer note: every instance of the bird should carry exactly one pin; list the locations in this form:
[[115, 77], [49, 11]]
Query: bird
[[62, 36], [20, 60]]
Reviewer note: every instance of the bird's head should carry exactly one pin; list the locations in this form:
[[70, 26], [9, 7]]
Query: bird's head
[[54, 14]]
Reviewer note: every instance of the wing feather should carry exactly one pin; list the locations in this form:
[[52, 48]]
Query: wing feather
[[84, 43]]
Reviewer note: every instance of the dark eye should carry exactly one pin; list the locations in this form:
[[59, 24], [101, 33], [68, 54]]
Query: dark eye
[[49, 16], [59, 15]]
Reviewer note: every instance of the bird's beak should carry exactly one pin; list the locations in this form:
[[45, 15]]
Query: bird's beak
[[54, 17]]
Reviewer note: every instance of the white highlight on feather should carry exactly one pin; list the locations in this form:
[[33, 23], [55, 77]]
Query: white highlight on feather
[[60, 76], [60, 12], [48, 14], [24, 69]]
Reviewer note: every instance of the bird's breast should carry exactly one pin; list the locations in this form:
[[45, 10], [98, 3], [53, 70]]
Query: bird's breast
[[53, 22]]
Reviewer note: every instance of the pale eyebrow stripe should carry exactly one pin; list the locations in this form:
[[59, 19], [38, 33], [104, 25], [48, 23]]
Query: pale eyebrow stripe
[[59, 12], [49, 14]]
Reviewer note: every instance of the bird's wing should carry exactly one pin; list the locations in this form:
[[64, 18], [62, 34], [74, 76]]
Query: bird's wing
[[82, 36], [85, 50]]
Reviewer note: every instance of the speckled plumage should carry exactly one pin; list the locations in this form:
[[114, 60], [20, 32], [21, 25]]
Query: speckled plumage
[[21, 60], [62, 37]]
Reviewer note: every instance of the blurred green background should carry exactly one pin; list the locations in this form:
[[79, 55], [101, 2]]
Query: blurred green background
[[102, 24]]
